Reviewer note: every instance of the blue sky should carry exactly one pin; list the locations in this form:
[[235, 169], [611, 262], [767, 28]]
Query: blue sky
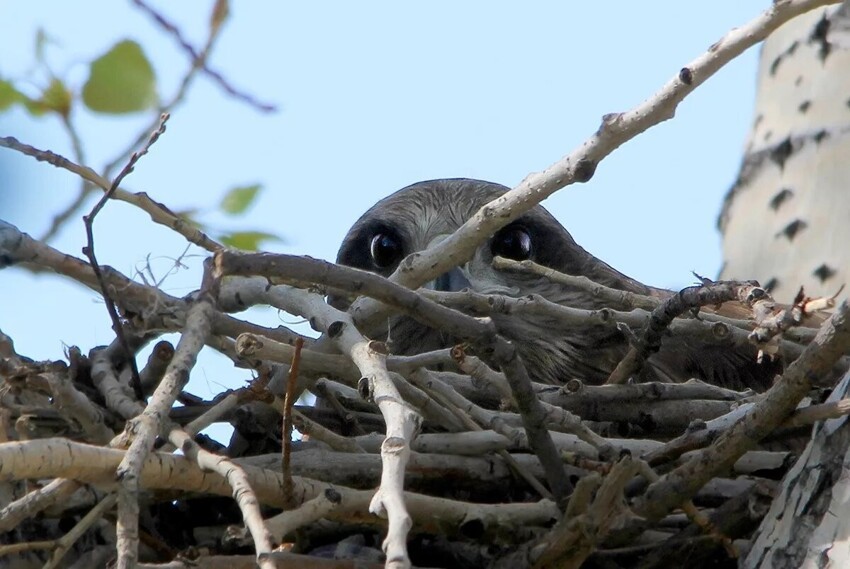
[[372, 97]]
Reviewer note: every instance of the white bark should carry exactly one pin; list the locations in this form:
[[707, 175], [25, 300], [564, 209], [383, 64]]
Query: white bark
[[785, 219], [808, 524]]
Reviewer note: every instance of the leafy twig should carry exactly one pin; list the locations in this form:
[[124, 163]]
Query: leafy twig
[[199, 59]]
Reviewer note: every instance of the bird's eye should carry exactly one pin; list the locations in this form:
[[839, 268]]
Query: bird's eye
[[385, 250], [513, 243]]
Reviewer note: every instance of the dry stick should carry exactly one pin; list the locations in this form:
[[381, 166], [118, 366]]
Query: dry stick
[[322, 434], [257, 390], [75, 405], [150, 423], [288, 402], [151, 374], [615, 130], [244, 495], [479, 371], [63, 544], [158, 213], [819, 412], [613, 297], [88, 251], [56, 457], [707, 433], [34, 502], [287, 522], [663, 315], [575, 537], [501, 351], [832, 341], [694, 515], [470, 424], [402, 421], [166, 311], [103, 375], [350, 421], [249, 345], [710, 327]]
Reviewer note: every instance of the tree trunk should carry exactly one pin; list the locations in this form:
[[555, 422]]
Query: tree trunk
[[785, 223], [785, 220]]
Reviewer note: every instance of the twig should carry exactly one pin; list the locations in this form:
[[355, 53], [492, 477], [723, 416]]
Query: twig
[[401, 420], [662, 316], [34, 502], [502, 352], [573, 539], [88, 251], [475, 427], [481, 372], [579, 166], [288, 402], [321, 390], [320, 433], [154, 369], [158, 213], [286, 522], [56, 457], [67, 541], [694, 515], [832, 341], [149, 424], [199, 59], [239, 482], [615, 298]]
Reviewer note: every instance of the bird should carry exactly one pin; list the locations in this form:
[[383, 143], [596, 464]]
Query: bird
[[419, 215]]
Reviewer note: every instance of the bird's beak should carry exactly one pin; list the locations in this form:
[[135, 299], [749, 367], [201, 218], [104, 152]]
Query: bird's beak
[[452, 281]]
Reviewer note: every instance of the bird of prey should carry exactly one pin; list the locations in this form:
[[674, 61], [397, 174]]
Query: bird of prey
[[416, 216]]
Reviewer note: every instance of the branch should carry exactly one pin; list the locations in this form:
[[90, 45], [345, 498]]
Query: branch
[[832, 341], [579, 166], [149, 425], [199, 60], [502, 352], [158, 212], [662, 316], [401, 420], [49, 458], [88, 251]]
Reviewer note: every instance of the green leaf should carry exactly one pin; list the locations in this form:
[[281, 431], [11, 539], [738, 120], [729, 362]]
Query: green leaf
[[56, 98], [8, 95], [239, 199], [247, 240], [121, 81]]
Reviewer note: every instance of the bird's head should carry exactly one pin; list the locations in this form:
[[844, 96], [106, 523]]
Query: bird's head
[[424, 213], [419, 215], [415, 217]]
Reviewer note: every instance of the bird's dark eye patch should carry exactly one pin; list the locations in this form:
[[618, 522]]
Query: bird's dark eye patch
[[512, 242], [385, 249]]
